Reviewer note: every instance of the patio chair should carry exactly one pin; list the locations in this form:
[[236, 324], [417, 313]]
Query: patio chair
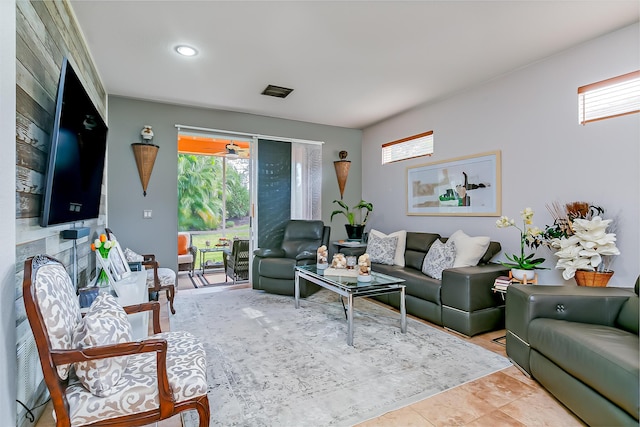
[[237, 262]]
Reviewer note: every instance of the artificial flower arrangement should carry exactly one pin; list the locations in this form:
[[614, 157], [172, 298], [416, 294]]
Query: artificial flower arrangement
[[529, 236], [102, 246], [580, 235]]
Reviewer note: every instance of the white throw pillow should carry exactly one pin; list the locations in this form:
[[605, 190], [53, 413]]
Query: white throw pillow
[[382, 249], [469, 249], [398, 258], [131, 256], [105, 323], [440, 257]]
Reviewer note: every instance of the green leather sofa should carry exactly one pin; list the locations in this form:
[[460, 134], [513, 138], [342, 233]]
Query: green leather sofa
[[582, 345], [462, 301]]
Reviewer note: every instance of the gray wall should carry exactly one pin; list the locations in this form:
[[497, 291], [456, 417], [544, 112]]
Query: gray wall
[[126, 202], [7, 221], [531, 116]]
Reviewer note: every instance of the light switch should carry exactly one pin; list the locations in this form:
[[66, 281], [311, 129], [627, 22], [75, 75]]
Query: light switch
[[146, 214]]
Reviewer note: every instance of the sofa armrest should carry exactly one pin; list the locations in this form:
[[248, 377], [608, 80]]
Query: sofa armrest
[[525, 303], [572, 303], [269, 253], [469, 288], [306, 256]]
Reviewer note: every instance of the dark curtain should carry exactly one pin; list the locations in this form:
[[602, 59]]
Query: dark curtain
[[274, 191]]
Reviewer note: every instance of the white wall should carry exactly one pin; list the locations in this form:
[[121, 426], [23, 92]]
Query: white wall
[[7, 213], [531, 116]]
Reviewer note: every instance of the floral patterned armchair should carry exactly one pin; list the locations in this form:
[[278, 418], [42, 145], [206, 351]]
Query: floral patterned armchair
[[95, 373]]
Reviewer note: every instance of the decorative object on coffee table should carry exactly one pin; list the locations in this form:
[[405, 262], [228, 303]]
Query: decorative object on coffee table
[[364, 268], [322, 257]]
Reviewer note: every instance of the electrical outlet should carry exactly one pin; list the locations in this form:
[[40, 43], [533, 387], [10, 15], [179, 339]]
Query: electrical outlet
[[146, 214]]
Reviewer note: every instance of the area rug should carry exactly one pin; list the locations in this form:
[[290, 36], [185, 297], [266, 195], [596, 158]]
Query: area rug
[[200, 280], [270, 364]]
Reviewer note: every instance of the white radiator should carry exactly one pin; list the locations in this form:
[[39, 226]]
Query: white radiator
[[30, 381]]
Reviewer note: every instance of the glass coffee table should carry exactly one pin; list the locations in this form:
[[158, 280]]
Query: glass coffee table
[[349, 287]]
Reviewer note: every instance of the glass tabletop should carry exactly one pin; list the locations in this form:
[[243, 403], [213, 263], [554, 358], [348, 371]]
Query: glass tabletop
[[377, 279]]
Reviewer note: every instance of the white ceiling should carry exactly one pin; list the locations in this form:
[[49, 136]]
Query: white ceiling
[[350, 63]]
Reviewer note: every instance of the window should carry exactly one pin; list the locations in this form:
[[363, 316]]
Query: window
[[613, 97], [408, 148]]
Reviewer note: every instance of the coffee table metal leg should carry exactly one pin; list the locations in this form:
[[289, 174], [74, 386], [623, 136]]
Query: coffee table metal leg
[[297, 290], [403, 313], [350, 321]]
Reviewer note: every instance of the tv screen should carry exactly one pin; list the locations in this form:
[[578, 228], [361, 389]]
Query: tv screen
[[75, 167]]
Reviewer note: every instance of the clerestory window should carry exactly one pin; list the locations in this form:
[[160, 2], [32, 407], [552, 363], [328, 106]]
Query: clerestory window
[[408, 148], [609, 98]]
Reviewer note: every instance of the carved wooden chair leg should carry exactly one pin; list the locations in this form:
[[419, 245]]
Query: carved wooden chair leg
[[170, 295]]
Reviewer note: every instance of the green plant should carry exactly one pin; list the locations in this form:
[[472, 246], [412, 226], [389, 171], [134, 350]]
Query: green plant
[[350, 214], [528, 237]]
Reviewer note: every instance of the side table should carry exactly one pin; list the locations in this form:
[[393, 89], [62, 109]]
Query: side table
[[209, 263], [349, 247]]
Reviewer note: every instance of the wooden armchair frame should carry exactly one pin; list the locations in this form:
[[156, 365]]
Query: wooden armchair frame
[[50, 358], [150, 262]]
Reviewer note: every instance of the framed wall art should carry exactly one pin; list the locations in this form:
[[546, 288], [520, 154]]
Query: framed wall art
[[465, 186]]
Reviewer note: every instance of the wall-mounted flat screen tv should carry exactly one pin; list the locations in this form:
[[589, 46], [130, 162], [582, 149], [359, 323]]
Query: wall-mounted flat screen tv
[[73, 184]]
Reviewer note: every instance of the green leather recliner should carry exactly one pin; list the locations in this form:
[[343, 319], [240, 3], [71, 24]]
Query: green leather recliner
[[273, 268], [582, 345]]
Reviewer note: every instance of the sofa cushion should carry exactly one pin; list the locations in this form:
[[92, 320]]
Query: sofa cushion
[[105, 323], [185, 259], [418, 245], [440, 256], [277, 268], [603, 357], [493, 249], [469, 250], [400, 246], [417, 284], [183, 243], [382, 249]]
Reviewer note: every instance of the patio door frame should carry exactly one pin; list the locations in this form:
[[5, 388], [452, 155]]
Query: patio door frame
[[253, 166]]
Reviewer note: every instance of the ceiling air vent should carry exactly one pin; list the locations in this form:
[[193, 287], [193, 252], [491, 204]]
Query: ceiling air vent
[[277, 91]]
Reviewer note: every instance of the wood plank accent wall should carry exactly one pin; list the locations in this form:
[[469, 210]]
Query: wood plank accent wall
[[46, 31]]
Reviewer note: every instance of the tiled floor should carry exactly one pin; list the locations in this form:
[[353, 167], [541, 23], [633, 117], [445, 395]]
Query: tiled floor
[[504, 398]]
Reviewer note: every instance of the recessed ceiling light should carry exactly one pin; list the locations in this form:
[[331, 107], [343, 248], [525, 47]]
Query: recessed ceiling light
[[185, 50]]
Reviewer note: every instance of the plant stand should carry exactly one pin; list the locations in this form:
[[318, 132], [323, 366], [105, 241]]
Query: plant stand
[[524, 281]]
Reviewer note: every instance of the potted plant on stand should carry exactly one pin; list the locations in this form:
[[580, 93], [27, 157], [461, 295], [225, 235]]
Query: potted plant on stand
[[354, 230], [523, 266]]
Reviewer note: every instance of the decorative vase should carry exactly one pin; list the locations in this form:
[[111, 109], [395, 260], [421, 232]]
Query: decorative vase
[[593, 278], [354, 232], [520, 274]]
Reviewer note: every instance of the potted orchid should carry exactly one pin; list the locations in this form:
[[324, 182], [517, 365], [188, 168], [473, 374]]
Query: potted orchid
[[522, 265]]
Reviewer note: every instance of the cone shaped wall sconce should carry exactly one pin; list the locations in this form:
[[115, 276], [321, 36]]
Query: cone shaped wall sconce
[[145, 155], [342, 171]]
